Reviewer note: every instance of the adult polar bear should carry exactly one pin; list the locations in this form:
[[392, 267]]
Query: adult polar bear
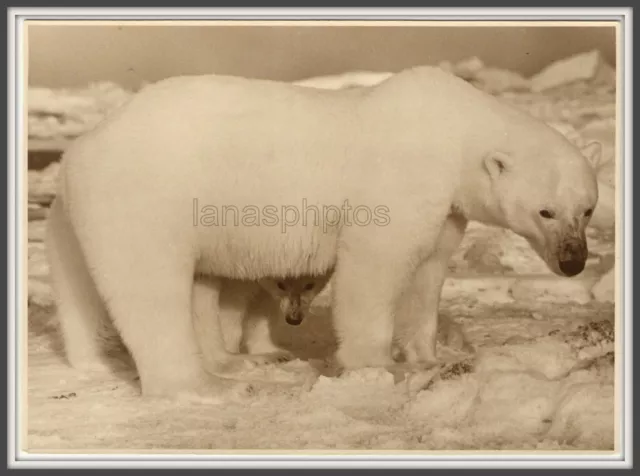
[[433, 149]]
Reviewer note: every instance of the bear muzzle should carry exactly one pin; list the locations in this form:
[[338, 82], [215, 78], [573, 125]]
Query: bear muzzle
[[572, 257]]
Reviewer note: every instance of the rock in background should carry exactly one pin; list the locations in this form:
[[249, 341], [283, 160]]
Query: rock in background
[[574, 95]]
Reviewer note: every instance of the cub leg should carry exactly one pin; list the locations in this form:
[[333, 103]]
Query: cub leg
[[231, 299], [257, 337], [234, 302]]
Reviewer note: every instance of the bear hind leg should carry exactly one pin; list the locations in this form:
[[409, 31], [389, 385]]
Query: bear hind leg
[[152, 311], [80, 309]]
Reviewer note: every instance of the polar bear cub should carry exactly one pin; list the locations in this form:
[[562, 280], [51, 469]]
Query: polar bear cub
[[245, 312], [295, 295]]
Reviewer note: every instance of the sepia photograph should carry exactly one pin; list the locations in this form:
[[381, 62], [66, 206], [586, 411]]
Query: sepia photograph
[[319, 239]]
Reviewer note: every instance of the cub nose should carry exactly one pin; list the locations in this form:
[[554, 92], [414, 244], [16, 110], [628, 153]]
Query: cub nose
[[294, 319], [571, 267]]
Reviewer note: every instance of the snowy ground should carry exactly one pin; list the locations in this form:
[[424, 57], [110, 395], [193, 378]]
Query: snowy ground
[[542, 377]]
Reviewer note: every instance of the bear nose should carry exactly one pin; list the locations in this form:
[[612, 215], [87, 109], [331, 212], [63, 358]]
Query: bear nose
[[294, 319], [572, 267], [572, 257]]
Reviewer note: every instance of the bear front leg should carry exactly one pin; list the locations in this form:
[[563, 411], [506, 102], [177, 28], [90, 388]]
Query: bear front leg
[[417, 312], [367, 283]]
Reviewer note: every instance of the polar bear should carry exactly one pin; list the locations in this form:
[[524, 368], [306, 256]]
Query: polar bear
[[431, 149]]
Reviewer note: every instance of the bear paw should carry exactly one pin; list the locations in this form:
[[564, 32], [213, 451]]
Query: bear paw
[[401, 370], [204, 388], [277, 357], [235, 363]]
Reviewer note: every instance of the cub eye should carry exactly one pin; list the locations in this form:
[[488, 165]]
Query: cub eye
[[589, 212], [308, 287], [281, 286], [546, 214]]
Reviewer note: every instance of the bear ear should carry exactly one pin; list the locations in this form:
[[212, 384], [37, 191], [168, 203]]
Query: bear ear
[[497, 163], [592, 152]]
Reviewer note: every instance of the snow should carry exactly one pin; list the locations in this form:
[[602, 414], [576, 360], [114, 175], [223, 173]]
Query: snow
[[534, 383]]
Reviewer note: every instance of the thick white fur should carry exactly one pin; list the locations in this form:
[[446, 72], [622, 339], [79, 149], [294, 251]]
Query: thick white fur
[[423, 143]]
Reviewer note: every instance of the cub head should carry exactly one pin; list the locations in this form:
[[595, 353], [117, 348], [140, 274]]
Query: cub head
[[546, 194], [295, 295]]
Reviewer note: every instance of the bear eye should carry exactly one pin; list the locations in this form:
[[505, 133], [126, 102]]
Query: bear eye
[[281, 285], [589, 212], [308, 287], [546, 213]]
